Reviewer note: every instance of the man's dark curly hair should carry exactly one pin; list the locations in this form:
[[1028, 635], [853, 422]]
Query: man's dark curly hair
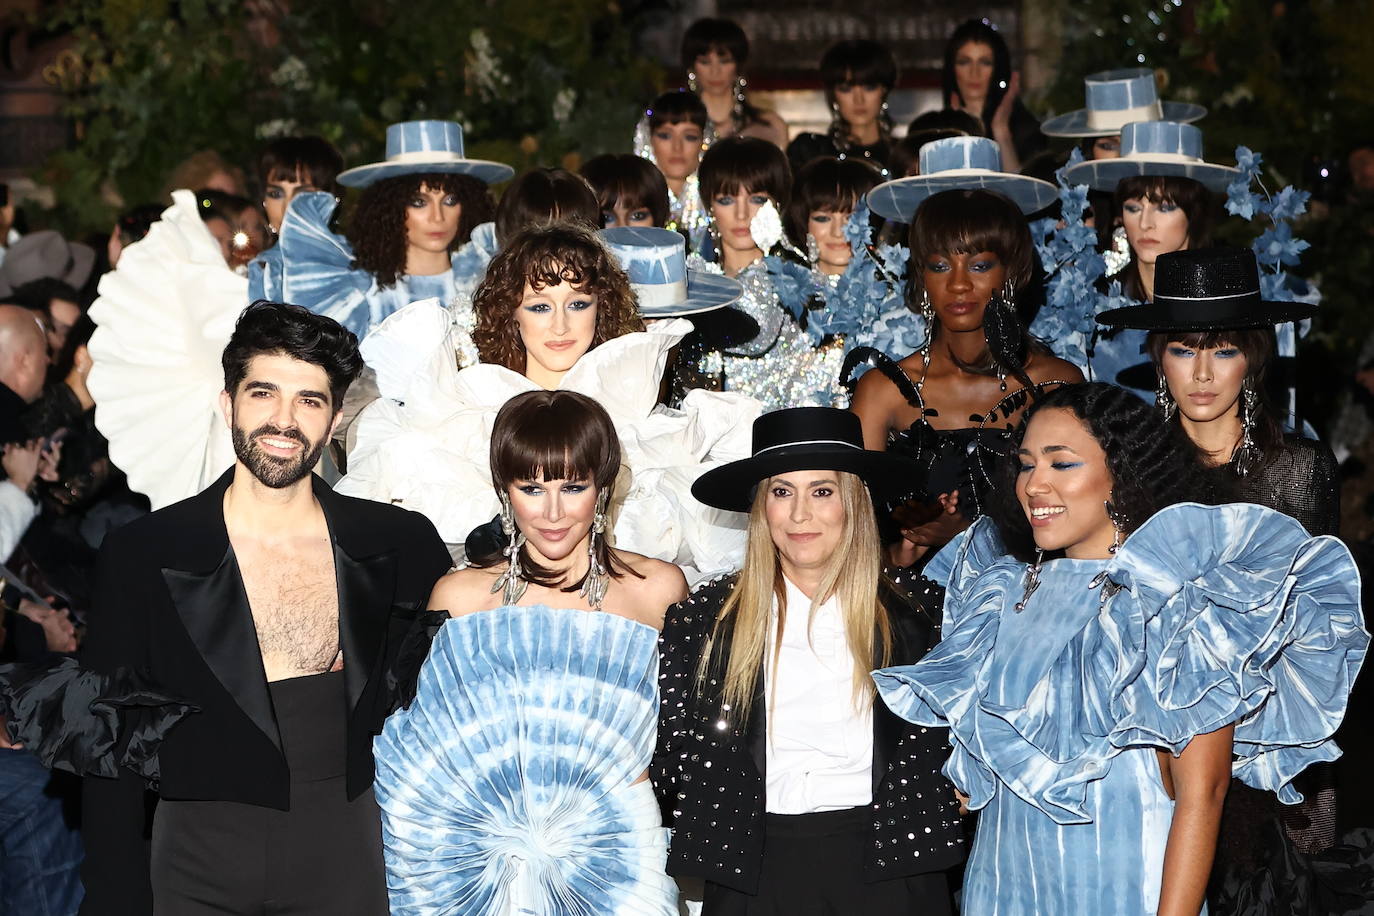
[[546, 256], [276, 328], [377, 226], [1152, 464]]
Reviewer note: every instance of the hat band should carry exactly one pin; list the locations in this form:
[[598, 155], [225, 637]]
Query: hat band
[[1195, 312], [1184, 300], [1116, 118], [808, 442], [659, 295], [1149, 156], [425, 155]]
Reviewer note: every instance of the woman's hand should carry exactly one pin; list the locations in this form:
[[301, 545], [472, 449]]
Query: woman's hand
[[1001, 125]]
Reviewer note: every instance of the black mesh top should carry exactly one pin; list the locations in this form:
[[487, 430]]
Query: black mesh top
[[1300, 480]]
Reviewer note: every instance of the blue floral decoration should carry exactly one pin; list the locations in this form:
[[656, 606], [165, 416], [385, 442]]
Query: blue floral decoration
[[1073, 265], [1277, 247]]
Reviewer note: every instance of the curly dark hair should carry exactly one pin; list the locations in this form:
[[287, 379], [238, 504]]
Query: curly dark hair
[[547, 256], [1152, 464], [294, 331], [377, 225]]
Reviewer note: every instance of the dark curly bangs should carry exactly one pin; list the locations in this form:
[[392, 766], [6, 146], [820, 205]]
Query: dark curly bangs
[[377, 226], [1152, 464], [547, 256]]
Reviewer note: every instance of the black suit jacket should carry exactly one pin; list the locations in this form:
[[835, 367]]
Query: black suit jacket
[[170, 605], [708, 771]]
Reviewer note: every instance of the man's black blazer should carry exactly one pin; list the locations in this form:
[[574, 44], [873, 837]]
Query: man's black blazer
[[170, 605]]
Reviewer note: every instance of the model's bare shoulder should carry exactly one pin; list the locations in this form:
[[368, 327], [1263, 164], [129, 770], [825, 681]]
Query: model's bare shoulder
[[463, 591]]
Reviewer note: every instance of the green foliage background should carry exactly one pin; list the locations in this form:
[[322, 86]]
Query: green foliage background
[[532, 81]]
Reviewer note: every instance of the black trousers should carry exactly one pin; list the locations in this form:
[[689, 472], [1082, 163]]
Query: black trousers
[[323, 857], [813, 866]]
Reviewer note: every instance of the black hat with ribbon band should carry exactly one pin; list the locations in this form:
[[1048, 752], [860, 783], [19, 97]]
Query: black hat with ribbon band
[[1211, 289], [804, 439]]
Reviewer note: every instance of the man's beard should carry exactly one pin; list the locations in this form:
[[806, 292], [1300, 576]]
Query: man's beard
[[270, 470]]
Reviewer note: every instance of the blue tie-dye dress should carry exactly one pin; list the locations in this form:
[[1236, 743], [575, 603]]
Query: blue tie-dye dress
[[1212, 615], [512, 783]]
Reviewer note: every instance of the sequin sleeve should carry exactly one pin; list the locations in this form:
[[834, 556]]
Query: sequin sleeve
[[685, 630]]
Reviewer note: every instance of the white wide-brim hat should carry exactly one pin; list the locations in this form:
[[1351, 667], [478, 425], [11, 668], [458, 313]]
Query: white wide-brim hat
[[959, 164], [425, 148], [656, 262], [1116, 98], [1165, 149]]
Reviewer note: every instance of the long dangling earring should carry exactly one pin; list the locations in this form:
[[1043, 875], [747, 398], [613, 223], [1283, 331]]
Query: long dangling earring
[[1032, 581], [1117, 521], [1002, 329], [737, 112], [927, 313], [512, 581], [692, 82], [1164, 399], [813, 250], [594, 584], [1247, 454], [713, 231]]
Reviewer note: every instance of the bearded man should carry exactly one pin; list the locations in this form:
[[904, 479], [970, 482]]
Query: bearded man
[[275, 607]]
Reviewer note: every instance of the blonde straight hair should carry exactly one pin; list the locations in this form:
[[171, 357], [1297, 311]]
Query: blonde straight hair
[[853, 576]]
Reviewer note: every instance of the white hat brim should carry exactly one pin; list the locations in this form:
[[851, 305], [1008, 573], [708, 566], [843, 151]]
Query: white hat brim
[[706, 292], [1075, 123], [899, 199], [1106, 174], [483, 170]]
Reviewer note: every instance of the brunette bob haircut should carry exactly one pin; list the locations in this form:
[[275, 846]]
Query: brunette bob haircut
[[555, 435], [630, 181], [858, 62], [967, 222], [309, 160], [830, 184], [546, 256], [377, 225], [675, 107], [1257, 345], [542, 196], [719, 35], [745, 162], [1192, 197]]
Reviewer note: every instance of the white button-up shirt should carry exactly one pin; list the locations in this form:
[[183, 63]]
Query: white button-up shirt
[[819, 746]]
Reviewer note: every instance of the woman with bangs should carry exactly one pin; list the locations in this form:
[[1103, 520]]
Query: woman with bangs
[[952, 404], [857, 75], [516, 779], [823, 199], [673, 134], [746, 185], [791, 791], [629, 189], [287, 167], [555, 311], [714, 52]]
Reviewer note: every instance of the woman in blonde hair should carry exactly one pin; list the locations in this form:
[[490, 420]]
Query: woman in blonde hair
[[788, 790]]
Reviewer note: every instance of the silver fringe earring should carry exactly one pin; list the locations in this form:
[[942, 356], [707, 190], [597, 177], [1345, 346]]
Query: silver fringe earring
[[512, 581], [594, 584], [1164, 399], [1247, 454], [928, 313], [813, 250], [1032, 581], [1117, 521]]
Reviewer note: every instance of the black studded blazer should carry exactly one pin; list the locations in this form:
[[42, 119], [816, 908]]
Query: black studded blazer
[[709, 771]]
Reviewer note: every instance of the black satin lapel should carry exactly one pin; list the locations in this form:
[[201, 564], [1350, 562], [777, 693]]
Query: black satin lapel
[[366, 590], [214, 609]]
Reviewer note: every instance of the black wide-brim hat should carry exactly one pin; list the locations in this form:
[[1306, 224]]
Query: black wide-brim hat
[[803, 439], [1211, 289]]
